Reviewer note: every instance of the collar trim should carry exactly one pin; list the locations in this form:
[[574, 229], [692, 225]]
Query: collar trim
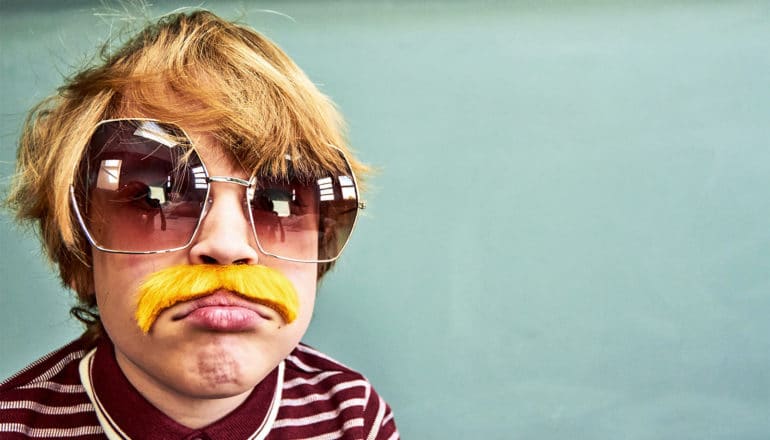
[[111, 429]]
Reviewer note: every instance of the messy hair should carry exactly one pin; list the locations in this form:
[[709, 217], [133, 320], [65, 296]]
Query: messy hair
[[193, 69]]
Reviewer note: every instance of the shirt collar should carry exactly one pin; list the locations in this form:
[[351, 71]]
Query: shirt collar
[[125, 414]]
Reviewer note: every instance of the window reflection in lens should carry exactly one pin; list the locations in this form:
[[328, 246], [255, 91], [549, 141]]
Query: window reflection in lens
[[305, 220], [285, 218], [142, 195]]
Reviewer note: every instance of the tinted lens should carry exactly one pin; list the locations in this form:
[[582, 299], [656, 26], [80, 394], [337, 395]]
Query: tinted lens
[[139, 187], [307, 220]]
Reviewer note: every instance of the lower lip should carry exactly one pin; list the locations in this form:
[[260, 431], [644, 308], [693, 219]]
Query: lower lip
[[224, 318]]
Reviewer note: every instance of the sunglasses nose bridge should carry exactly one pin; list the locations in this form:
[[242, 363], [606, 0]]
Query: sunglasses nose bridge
[[248, 184], [229, 179], [223, 214]]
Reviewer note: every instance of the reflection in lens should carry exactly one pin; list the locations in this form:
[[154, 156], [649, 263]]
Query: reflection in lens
[[305, 220], [138, 189]]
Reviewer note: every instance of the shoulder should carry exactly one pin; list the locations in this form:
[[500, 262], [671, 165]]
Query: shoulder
[[42, 373], [313, 376], [33, 401], [324, 396]]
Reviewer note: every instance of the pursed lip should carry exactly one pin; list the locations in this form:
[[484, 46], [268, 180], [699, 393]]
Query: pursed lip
[[221, 298]]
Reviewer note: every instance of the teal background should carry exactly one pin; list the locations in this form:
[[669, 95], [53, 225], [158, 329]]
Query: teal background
[[569, 235]]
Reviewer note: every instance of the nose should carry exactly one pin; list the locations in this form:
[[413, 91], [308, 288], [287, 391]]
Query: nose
[[225, 235]]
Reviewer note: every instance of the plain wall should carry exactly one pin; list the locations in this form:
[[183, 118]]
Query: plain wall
[[569, 235]]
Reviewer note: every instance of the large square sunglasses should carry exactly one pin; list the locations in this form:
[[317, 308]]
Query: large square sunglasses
[[141, 188]]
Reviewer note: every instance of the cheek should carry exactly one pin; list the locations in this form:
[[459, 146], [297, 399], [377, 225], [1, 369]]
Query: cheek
[[306, 288], [294, 332], [303, 277], [116, 279]]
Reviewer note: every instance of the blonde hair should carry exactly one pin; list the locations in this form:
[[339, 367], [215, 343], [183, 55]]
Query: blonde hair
[[193, 69]]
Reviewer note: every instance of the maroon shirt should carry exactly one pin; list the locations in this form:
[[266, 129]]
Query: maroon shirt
[[308, 396]]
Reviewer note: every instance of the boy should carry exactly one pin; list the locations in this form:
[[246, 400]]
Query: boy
[[192, 190]]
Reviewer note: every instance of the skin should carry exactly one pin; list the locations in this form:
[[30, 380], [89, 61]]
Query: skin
[[197, 376]]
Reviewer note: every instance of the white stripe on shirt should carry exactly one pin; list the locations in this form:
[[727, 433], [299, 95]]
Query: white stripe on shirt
[[352, 423], [377, 420], [323, 396], [53, 371], [301, 365], [46, 409], [312, 381], [50, 432], [53, 386]]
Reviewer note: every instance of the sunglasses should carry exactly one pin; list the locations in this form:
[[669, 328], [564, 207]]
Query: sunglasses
[[141, 188]]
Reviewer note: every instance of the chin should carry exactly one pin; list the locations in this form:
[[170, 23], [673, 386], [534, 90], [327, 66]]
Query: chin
[[227, 362], [207, 375]]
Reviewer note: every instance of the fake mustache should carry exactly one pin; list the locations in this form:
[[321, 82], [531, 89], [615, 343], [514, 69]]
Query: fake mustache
[[261, 284]]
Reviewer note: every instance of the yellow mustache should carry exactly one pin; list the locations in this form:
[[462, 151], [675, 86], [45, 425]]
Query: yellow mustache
[[169, 286]]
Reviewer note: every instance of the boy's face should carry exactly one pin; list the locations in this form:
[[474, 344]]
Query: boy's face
[[184, 358]]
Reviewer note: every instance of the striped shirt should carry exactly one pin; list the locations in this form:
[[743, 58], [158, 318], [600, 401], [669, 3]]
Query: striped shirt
[[80, 393]]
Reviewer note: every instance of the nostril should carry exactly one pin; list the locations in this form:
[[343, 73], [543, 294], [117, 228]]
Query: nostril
[[205, 259]]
